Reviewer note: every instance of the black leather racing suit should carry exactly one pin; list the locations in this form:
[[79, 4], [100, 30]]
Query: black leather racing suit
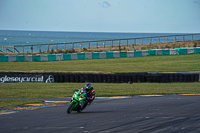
[[90, 95]]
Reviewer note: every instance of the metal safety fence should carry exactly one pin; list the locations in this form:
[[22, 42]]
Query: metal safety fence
[[38, 48]]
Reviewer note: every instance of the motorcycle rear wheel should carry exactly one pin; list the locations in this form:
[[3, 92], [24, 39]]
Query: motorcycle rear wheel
[[71, 107]]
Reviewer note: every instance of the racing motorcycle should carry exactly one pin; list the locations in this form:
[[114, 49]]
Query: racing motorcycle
[[79, 101]]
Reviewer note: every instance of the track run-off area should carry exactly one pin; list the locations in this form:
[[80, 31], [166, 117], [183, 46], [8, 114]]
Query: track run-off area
[[146, 113]]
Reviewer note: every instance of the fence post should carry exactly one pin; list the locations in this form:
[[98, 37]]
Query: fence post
[[39, 48], [23, 48], [150, 40], [97, 44], [167, 38], [112, 43], [142, 40], [13, 48], [32, 49], [104, 43]]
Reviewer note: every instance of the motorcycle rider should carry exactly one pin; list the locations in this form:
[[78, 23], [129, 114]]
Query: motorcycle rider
[[90, 93]]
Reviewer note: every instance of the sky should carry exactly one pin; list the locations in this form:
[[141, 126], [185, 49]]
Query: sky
[[131, 16]]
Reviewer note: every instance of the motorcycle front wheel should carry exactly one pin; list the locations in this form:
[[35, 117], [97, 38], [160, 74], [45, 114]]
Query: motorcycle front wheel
[[71, 107]]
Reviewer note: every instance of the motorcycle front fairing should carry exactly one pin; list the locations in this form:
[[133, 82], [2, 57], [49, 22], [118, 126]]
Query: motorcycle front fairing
[[79, 98]]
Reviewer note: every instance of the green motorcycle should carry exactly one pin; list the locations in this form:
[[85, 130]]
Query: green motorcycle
[[79, 101]]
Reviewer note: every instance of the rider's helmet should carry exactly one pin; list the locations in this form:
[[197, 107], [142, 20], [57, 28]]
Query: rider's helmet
[[88, 86]]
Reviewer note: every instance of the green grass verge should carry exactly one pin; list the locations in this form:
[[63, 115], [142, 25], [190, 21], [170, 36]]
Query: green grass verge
[[16, 102], [164, 63], [54, 90]]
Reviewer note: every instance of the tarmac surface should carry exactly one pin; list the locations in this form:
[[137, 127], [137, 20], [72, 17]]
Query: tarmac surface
[[145, 114]]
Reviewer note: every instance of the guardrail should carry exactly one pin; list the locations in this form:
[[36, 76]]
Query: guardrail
[[98, 43]]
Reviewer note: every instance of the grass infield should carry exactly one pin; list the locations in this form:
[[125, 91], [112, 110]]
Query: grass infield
[[164, 63], [54, 90], [15, 102]]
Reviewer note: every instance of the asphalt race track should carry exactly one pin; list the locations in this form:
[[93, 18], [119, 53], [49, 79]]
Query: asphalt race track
[[168, 114]]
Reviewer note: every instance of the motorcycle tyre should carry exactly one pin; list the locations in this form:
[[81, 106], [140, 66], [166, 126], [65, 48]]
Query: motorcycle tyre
[[69, 110]]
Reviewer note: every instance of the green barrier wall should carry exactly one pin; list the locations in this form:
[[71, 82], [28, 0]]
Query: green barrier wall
[[3, 58], [137, 53], [181, 50], [81, 55], [95, 55], [152, 52], [67, 56], [36, 57], [166, 51], [20, 58], [197, 50], [51, 57], [109, 54], [123, 54]]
